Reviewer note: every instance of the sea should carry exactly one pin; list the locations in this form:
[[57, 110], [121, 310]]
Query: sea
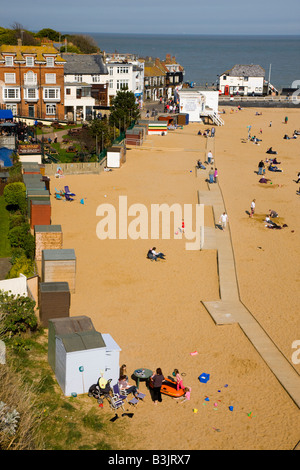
[[204, 57]]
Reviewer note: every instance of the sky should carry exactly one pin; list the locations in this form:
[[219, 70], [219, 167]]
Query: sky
[[155, 16]]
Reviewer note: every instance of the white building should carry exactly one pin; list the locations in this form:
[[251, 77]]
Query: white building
[[125, 71], [85, 78], [243, 80], [199, 104]]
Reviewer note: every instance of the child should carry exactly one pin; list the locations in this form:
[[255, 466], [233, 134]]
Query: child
[[186, 396], [178, 379]]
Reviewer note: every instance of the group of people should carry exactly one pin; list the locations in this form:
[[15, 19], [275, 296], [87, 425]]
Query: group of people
[[206, 133], [157, 380]]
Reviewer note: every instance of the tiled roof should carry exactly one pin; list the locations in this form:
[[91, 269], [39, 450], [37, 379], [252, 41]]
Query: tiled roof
[[246, 71], [38, 51], [84, 64], [153, 71]]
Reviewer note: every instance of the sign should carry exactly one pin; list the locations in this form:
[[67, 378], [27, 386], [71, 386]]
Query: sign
[[29, 149]]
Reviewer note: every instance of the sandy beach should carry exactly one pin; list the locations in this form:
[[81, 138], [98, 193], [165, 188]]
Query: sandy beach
[[154, 310]]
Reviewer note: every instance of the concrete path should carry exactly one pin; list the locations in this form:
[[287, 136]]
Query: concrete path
[[229, 309]]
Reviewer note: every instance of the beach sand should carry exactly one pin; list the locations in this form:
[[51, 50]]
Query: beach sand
[[154, 310]]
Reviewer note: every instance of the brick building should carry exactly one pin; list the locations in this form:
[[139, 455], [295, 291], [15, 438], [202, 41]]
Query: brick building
[[32, 81]]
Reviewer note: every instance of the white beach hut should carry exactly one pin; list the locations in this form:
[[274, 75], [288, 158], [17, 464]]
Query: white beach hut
[[78, 354]]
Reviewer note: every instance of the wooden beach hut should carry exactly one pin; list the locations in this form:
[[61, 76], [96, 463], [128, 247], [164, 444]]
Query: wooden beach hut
[[59, 266], [47, 237], [40, 213], [54, 301], [158, 127]]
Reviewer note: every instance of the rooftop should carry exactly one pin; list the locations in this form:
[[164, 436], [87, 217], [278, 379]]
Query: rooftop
[[84, 64]]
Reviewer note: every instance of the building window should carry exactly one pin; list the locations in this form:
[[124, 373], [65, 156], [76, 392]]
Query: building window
[[11, 93], [30, 94], [122, 69], [68, 91], [111, 70], [78, 78], [51, 93], [246, 79], [30, 78], [13, 108], [122, 84], [9, 60], [51, 109], [10, 77], [50, 61], [50, 77], [96, 78], [29, 61], [111, 84]]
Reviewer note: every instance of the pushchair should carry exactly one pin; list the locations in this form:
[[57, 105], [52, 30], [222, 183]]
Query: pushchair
[[99, 392]]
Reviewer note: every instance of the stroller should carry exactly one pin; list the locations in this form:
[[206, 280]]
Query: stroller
[[98, 392]]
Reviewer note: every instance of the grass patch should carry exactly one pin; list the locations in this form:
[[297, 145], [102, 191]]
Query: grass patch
[[5, 248]]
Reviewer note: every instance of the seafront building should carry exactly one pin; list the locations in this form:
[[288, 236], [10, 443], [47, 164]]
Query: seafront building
[[32, 81], [126, 71], [245, 80], [86, 89]]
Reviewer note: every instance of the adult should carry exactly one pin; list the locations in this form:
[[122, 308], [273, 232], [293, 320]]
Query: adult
[[211, 175], [152, 254], [157, 380], [209, 157], [286, 119], [215, 175], [200, 165], [271, 151], [298, 178], [261, 167], [213, 131], [126, 387], [272, 213], [223, 220]]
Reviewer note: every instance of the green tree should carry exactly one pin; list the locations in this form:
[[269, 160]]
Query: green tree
[[15, 196], [102, 132], [20, 237], [124, 110], [49, 33]]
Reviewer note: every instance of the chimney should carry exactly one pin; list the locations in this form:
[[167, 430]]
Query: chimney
[[19, 42]]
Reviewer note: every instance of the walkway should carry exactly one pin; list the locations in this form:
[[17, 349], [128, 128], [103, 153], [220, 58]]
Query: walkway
[[230, 309]]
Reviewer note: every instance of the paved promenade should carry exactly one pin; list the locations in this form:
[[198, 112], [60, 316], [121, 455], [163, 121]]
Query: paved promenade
[[229, 308]]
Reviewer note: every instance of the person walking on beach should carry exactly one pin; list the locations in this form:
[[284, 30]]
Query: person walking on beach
[[209, 157], [286, 119], [215, 175], [252, 208], [157, 380], [223, 220], [211, 175]]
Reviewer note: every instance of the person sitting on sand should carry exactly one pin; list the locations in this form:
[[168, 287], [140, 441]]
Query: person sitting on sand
[[275, 162], [274, 168], [199, 133], [186, 396], [270, 150], [263, 180], [153, 255], [200, 165], [272, 214]]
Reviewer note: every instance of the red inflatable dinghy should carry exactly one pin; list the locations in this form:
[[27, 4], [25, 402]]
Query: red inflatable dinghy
[[169, 387]]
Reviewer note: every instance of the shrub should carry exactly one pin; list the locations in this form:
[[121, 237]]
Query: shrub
[[15, 196], [22, 265], [20, 237], [17, 314]]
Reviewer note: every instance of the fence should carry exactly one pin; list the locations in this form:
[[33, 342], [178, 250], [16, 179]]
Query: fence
[[75, 168]]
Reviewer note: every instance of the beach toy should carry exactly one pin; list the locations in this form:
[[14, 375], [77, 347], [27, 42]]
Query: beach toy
[[215, 404], [206, 399], [195, 410], [204, 377], [194, 353], [231, 408], [81, 201]]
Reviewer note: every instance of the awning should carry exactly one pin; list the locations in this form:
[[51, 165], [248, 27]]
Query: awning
[[6, 114], [5, 157]]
